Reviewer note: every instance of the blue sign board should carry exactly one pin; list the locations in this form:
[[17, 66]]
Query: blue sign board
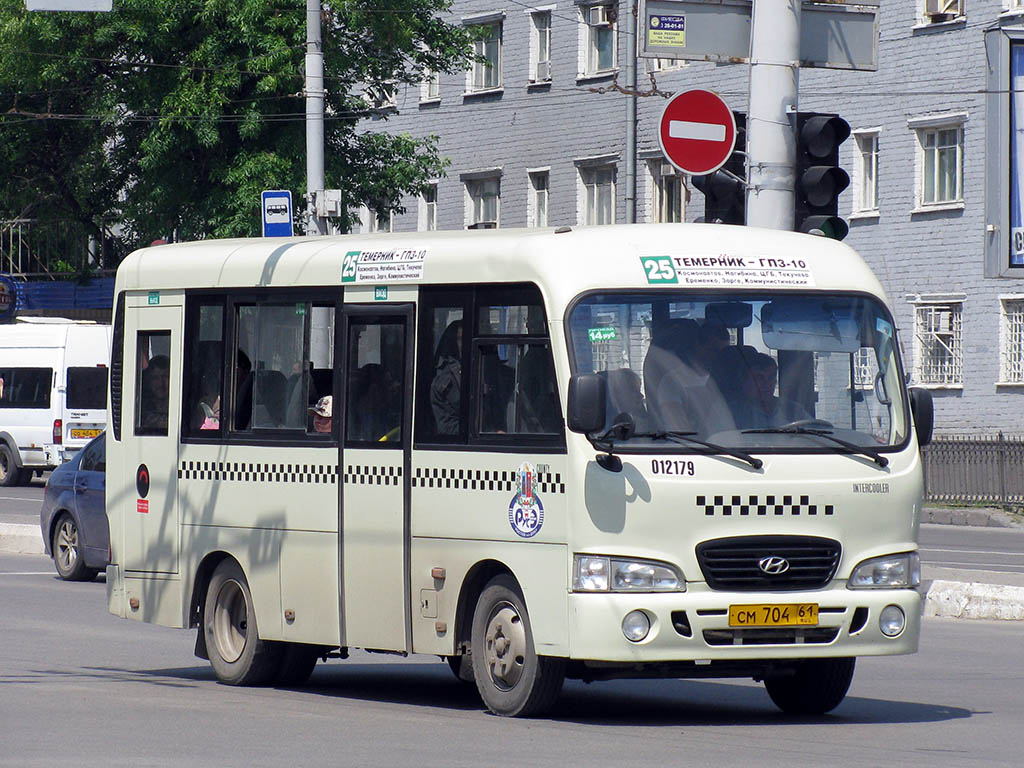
[[277, 213]]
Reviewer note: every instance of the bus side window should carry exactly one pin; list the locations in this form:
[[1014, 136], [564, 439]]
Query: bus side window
[[376, 365], [204, 367], [152, 382], [443, 354]]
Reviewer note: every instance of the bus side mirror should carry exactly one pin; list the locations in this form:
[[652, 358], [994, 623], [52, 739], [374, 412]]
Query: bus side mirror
[[924, 414], [586, 403]]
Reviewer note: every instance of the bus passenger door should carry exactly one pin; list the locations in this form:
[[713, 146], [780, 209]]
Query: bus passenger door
[[150, 429], [375, 444]]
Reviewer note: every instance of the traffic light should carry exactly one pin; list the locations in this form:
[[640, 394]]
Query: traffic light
[[725, 197], [819, 179]]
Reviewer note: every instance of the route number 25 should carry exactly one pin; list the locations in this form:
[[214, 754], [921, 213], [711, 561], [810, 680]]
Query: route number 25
[[659, 269]]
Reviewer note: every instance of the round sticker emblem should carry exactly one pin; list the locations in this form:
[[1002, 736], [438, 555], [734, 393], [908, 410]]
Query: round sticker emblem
[[142, 480], [526, 513]]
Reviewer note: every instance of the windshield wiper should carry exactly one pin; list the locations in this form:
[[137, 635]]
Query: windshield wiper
[[687, 438], [874, 455]]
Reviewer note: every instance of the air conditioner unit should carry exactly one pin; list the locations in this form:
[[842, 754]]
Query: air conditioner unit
[[942, 10], [543, 72], [483, 225], [600, 16], [666, 169]]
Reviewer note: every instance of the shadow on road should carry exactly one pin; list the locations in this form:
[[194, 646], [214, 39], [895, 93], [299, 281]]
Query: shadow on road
[[613, 703]]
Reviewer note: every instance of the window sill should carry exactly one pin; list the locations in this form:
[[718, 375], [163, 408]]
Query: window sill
[[588, 77], [484, 92], [924, 27], [430, 102], [953, 205], [1010, 384], [953, 387], [862, 215], [538, 85]]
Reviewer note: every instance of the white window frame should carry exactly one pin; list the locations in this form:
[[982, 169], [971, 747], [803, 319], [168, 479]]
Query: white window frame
[[540, 39], [1013, 6], [941, 11], [1011, 340], [928, 132], [664, 65], [477, 77], [430, 88], [865, 173], [383, 96], [938, 343], [594, 178], [426, 214], [589, 35], [479, 187], [662, 175], [371, 222], [538, 194]]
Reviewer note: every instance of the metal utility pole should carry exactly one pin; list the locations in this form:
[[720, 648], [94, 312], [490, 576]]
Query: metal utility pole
[[771, 138], [315, 225]]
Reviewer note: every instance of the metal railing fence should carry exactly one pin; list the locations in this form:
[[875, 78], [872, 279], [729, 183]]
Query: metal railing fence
[[975, 469]]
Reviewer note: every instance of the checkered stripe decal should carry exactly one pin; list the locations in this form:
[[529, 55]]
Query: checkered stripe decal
[[761, 506], [242, 472], [356, 474], [481, 480]]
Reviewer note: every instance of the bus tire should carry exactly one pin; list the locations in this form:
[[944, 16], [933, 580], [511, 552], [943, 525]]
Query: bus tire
[[297, 663], [67, 552], [237, 654], [511, 678], [10, 472], [816, 686]]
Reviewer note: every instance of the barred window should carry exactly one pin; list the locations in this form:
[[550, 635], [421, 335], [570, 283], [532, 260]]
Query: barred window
[[938, 337], [1012, 363], [865, 367]]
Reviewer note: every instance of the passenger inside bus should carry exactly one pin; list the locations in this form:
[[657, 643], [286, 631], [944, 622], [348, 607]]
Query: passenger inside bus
[[323, 413], [625, 400], [155, 384], [445, 389], [753, 378]]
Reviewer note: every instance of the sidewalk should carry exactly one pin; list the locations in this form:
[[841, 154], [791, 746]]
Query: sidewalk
[[948, 592]]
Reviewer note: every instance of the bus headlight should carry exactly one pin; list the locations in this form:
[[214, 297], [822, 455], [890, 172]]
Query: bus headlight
[[887, 572], [595, 573]]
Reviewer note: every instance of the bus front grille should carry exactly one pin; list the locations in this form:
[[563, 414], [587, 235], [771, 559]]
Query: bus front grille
[[767, 563], [771, 636]]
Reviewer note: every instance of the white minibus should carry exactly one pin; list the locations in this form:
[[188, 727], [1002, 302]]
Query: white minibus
[[677, 450], [53, 392]]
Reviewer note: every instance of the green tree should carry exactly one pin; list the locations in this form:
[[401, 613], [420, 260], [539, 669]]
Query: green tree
[[172, 115]]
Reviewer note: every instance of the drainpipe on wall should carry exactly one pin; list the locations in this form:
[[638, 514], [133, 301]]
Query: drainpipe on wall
[[631, 61]]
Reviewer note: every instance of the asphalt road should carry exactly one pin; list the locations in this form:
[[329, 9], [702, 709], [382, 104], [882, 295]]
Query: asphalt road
[[79, 687]]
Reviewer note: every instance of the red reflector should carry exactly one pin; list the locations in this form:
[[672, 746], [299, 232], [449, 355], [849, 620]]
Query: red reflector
[[58, 431]]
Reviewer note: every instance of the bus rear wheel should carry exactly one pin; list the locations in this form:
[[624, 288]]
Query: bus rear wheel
[[511, 678], [237, 654], [816, 686]]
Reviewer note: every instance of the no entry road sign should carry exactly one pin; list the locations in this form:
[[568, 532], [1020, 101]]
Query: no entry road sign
[[697, 131]]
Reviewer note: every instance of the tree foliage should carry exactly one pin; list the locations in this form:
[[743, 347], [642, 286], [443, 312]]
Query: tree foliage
[[173, 115]]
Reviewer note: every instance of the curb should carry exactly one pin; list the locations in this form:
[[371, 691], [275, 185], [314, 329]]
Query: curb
[[21, 539]]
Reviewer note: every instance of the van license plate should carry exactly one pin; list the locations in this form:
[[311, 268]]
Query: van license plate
[[84, 434], [774, 615]]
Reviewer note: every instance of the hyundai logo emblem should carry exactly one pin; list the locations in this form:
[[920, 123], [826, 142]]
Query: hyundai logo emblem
[[773, 565]]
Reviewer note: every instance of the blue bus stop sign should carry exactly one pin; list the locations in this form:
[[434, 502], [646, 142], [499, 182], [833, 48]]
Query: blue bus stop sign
[[277, 213]]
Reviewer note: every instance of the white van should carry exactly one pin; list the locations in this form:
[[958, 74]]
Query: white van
[[53, 400]]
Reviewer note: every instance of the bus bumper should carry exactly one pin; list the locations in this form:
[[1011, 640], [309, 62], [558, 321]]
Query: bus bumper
[[694, 626]]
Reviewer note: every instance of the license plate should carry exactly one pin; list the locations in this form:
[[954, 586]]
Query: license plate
[[774, 615], [84, 434]]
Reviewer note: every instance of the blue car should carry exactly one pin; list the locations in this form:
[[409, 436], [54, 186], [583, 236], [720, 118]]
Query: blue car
[[73, 519]]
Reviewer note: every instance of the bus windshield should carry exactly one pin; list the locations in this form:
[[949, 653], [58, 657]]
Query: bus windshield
[[771, 372]]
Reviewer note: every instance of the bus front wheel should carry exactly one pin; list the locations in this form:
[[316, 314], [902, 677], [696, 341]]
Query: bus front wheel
[[511, 678], [237, 654], [816, 686]]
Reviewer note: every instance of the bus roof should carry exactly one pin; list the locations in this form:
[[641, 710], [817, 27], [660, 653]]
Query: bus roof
[[564, 261]]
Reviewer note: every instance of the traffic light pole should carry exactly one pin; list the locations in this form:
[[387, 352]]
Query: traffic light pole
[[771, 140], [315, 225]]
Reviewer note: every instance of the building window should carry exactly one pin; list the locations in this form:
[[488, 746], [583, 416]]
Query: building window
[[940, 11], [428, 209], [540, 47], [599, 44], [483, 203], [938, 343], [371, 220], [865, 190], [664, 65], [1011, 369], [668, 193], [382, 96], [430, 88], [941, 168], [1014, 5], [598, 195], [537, 210], [486, 73]]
